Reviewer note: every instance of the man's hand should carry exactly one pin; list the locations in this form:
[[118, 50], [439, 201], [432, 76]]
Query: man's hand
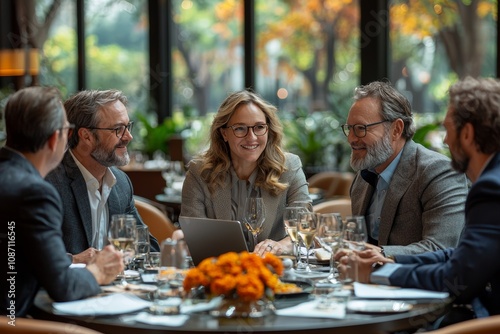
[[363, 260], [86, 256], [106, 265]]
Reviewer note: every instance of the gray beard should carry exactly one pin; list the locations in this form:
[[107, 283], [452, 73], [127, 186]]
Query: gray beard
[[375, 155], [109, 158]]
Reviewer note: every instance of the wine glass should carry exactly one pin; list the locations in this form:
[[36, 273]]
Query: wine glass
[[305, 204], [254, 216], [306, 228], [122, 235], [290, 219], [355, 237], [142, 243], [329, 236]]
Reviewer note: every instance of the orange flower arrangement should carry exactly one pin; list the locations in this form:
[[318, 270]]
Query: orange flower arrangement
[[245, 274]]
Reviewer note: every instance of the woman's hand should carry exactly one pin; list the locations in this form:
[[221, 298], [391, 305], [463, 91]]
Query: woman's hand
[[273, 247]]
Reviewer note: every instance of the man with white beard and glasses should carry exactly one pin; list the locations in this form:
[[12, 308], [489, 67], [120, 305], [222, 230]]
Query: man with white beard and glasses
[[411, 198], [91, 187]]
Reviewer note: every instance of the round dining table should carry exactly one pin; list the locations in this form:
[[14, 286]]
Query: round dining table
[[422, 313]]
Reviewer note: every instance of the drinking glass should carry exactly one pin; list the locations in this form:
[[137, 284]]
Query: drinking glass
[[306, 228], [254, 216], [290, 219], [122, 234], [355, 233], [142, 243], [329, 236], [355, 237], [306, 205]]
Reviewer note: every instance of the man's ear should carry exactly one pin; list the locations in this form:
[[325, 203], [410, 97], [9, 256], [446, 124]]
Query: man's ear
[[467, 136], [397, 129], [53, 139], [84, 134]]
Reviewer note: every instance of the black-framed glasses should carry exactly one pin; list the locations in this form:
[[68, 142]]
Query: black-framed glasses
[[119, 130], [241, 131], [359, 129]]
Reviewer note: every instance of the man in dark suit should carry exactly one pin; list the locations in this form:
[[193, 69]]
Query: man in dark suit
[[92, 188], [471, 271], [416, 204], [31, 245]]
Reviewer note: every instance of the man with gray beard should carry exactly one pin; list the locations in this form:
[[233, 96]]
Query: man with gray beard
[[90, 185], [411, 198]]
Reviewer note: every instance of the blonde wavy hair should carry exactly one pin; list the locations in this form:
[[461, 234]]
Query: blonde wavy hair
[[216, 161]]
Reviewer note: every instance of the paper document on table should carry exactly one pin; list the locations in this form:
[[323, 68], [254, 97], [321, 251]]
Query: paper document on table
[[311, 310], [118, 303], [392, 292]]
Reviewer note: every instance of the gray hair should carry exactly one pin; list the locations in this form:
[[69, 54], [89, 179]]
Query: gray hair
[[394, 105], [32, 115], [84, 108]]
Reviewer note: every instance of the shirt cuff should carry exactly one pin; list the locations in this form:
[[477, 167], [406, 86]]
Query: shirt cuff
[[382, 274]]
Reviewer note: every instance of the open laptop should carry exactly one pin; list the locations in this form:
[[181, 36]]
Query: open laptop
[[207, 237]]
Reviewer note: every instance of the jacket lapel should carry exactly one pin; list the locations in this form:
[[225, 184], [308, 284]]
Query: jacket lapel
[[78, 188], [400, 182]]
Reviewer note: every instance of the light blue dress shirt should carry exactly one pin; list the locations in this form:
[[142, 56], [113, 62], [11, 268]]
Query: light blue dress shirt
[[378, 198]]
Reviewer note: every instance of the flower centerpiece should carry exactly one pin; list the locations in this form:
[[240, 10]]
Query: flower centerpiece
[[242, 278]]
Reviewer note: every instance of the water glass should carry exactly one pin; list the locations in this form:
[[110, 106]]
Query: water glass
[[142, 243]]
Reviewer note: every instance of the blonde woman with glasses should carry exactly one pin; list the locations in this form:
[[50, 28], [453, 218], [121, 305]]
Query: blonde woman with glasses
[[245, 158]]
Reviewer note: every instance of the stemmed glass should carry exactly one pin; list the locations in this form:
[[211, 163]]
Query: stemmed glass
[[291, 219], [306, 205], [306, 228], [329, 236], [355, 237], [255, 214], [122, 234]]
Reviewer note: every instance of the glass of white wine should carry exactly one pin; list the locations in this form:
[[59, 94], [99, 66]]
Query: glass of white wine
[[122, 235], [291, 219], [255, 214], [306, 228]]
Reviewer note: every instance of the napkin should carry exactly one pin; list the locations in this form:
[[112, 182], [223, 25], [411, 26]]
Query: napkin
[[187, 308], [164, 320], [118, 303], [310, 309], [392, 292], [323, 254]]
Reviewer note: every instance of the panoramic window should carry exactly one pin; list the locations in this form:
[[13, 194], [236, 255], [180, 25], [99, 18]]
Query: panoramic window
[[207, 54], [435, 43]]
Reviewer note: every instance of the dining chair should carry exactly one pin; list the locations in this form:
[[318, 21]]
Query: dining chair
[[36, 326], [160, 226], [488, 325], [341, 205], [332, 183]]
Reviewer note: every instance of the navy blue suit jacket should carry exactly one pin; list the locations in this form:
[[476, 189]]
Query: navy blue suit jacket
[[472, 269], [77, 223], [31, 245]]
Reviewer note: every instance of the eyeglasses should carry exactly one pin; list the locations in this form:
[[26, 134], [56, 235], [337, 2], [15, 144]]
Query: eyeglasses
[[241, 131], [359, 129], [119, 130]]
